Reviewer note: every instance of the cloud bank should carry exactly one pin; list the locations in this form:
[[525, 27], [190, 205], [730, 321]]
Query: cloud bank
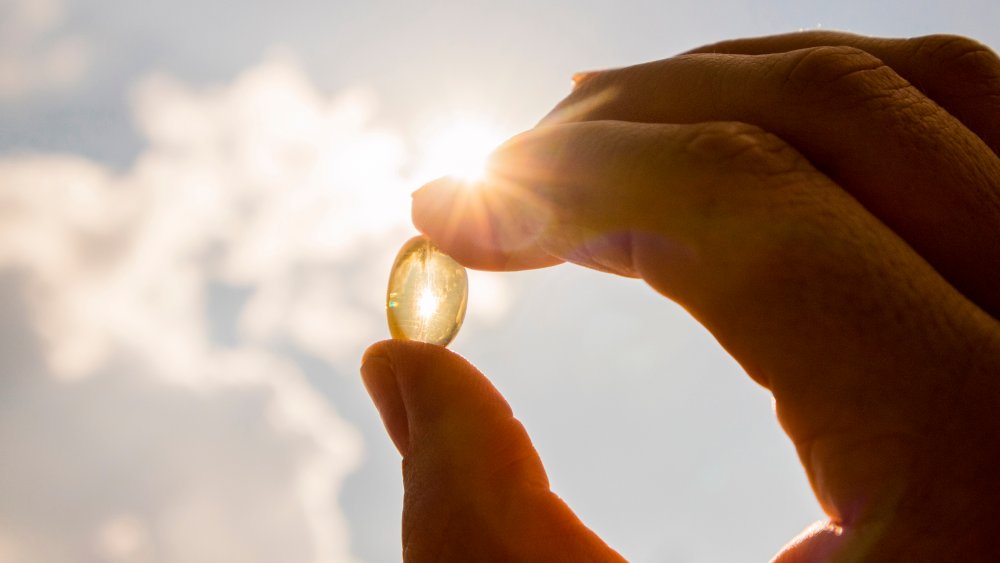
[[151, 409], [36, 52]]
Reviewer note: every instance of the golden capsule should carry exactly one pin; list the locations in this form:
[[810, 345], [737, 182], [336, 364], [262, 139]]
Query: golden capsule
[[427, 295]]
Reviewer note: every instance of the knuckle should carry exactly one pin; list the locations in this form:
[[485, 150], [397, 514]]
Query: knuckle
[[841, 76], [829, 65], [744, 149], [963, 62], [773, 190], [606, 94]]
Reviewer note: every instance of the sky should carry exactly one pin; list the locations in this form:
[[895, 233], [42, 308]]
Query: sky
[[199, 205]]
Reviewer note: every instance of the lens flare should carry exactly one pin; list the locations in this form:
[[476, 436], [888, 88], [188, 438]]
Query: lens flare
[[458, 148]]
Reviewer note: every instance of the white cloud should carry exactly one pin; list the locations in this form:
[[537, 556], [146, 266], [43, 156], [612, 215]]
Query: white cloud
[[262, 185], [35, 52]]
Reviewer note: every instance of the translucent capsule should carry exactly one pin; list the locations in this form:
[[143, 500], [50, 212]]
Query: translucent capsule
[[427, 295]]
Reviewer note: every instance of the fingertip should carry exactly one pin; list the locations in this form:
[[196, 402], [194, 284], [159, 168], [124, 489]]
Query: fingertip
[[377, 349], [581, 77], [484, 225], [435, 208], [379, 377], [403, 353], [431, 377], [400, 377], [407, 357]]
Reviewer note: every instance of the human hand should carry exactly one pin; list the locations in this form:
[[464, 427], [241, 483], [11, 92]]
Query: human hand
[[828, 206]]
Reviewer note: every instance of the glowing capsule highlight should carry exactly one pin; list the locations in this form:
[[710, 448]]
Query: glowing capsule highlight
[[427, 295]]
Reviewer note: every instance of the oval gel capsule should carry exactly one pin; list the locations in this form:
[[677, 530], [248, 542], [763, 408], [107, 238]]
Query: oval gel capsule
[[427, 295]]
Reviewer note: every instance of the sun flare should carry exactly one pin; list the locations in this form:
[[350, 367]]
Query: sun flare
[[458, 147]]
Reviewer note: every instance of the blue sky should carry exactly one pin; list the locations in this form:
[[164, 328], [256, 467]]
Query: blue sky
[[201, 201]]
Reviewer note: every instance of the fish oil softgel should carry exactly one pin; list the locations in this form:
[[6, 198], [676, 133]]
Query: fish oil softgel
[[427, 295]]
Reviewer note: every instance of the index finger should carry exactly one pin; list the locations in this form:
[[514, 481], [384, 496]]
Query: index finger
[[854, 334], [493, 227], [921, 171], [959, 73]]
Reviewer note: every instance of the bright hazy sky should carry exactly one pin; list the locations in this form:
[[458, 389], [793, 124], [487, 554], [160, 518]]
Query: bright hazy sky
[[200, 201]]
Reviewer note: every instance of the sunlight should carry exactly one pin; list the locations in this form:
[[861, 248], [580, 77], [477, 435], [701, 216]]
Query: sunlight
[[427, 304], [458, 147]]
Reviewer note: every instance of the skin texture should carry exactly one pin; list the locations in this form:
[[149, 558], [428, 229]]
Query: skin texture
[[828, 206]]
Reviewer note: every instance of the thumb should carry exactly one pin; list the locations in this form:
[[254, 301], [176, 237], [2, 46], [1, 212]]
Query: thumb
[[475, 489]]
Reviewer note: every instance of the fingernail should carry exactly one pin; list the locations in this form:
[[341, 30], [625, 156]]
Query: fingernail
[[433, 203], [379, 378], [444, 182], [581, 77]]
